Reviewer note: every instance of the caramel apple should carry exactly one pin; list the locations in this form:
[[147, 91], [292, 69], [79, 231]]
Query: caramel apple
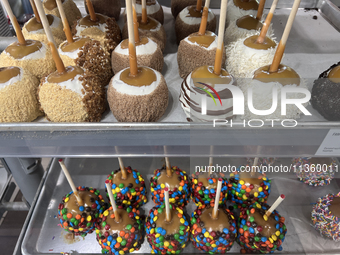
[[178, 184], [99, 27], [18, 101], [213, 235], [81, 219], [71, 10], [120, 236], [152, 29], [189, 19], [33, 56], [167, 236], [325, 93], [110, 8], [258, 233], [34, 30]]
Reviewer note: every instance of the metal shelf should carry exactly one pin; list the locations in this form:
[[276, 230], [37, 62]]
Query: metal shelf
[[147, 140]]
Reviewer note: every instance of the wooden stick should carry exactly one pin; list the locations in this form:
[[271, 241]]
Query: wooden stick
[[35, 11], [70, 181], [275, 205], [58, 62], [260, 9], [267, 22], [92, 13], [199, 5], [122, 168], [204, 20], [132, 46], [135, 21], [167, 204], [219, 50], [282, 45], [217, 199], [144, 13], [15, 23], [112, 200], [67, 29], [167, 164]]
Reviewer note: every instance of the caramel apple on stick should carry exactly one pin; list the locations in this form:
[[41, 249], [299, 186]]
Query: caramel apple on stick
[[76, 98], [192, 20], [213, 220], [31, 55], [112, 223], [148, 52], [199, 48], [81, 207], [135, 86]]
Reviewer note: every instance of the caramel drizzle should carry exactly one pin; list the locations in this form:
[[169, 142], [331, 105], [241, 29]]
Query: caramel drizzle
[[284, 75], [145, 76], [252, 42], [7, 73], [334, 74], [18, 51], [150, 23], [35, 25], [204, 40], [69, 74], [75, 45]]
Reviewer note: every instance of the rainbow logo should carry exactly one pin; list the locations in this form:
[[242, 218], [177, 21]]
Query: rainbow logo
[[213, 90]]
